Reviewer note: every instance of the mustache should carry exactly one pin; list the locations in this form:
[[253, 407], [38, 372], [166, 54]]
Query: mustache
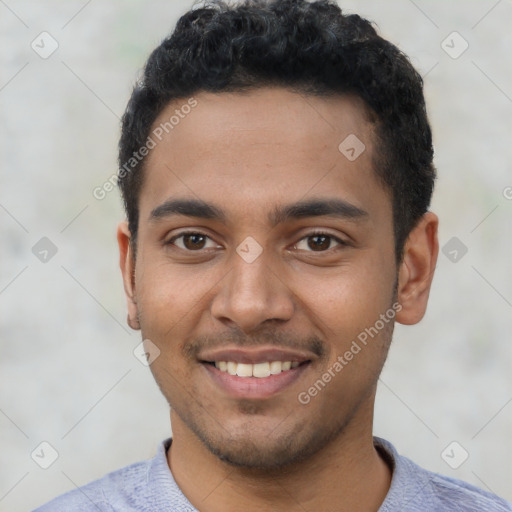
[[311, 343]]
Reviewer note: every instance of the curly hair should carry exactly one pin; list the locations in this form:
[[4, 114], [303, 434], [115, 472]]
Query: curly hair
[[308, 47]]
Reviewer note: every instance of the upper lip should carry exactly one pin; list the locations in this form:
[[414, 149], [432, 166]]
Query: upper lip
[[255, 355]]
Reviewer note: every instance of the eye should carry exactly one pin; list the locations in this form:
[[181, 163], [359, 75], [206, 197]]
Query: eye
[[318, 242], [192, 241]]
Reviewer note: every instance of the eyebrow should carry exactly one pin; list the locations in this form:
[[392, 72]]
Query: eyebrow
[[316, 208], [189, 207], [280, 214]]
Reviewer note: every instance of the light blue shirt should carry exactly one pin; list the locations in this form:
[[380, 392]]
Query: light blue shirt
[[150, 487]]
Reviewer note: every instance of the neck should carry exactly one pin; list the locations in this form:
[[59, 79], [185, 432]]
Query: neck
[[348, 474]]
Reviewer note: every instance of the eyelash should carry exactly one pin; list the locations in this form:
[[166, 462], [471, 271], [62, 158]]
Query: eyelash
[[340, 242]]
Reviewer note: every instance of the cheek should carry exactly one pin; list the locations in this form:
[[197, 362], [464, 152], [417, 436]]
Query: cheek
[[170, 297], [349, 298], [170, 302]]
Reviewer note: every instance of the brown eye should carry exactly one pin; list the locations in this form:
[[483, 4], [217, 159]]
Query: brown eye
[[318, 242], [192, 241]]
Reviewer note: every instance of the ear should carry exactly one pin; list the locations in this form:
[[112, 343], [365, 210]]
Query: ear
[[127, 264], [417, 270]]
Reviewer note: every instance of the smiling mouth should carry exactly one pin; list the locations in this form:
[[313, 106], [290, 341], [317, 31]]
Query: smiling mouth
[[266, 375], [258, 370]]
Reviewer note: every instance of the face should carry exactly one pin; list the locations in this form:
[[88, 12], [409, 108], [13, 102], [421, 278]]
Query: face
[[263, 250]]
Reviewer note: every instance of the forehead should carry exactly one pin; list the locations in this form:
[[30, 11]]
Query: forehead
[[254, 150]]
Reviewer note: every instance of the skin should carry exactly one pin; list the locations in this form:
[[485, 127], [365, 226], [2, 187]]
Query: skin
[[248, 154]]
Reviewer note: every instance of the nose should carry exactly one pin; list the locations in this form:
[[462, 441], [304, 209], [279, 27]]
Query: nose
[[251, 295]]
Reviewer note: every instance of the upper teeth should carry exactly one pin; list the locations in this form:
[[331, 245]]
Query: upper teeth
[[255, 370]]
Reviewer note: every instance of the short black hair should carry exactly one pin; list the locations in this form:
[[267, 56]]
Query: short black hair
[[308, 47]]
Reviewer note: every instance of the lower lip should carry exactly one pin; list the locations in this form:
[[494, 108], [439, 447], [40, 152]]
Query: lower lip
[[254, 387]]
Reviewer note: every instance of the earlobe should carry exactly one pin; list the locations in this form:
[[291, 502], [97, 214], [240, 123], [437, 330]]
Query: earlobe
[[133, 322], [416, 270], [127, 265]]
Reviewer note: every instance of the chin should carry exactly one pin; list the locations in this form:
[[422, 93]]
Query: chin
[[251, 455], [266, 450]]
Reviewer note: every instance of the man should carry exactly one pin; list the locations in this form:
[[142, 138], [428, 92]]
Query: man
[[276, 169]]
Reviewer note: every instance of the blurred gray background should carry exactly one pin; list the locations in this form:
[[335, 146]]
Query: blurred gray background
[[68, 373]]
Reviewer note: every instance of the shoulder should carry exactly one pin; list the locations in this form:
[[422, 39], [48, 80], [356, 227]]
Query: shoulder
[[453, 494], [414, 489], [102, 494]]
